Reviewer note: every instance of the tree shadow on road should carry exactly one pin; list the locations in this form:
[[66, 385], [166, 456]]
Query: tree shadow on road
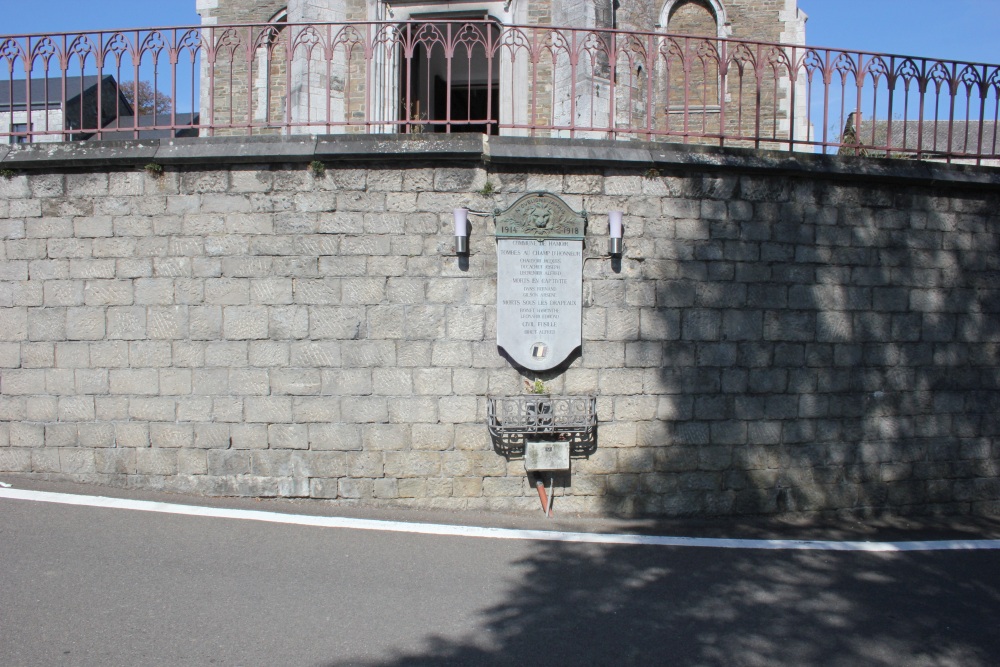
[[616, 605]]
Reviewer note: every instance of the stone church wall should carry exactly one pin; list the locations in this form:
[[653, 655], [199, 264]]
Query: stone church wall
[[357, 88]]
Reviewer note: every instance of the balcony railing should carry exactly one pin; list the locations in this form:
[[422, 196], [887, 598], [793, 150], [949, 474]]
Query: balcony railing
[[480, 76]]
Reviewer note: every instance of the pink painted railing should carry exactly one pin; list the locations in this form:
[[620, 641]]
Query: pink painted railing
[[443, 76]]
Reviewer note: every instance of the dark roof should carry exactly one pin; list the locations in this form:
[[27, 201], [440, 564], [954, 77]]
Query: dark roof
[[932, 138], [46, 91], [123, 127]]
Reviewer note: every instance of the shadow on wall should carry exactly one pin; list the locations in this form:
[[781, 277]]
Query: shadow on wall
[[816, 347], [591, 605]]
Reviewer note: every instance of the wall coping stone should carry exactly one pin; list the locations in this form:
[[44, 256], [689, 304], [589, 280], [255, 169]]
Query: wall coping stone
[[495, 150]]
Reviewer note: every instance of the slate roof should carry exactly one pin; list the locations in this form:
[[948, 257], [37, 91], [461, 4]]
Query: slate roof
[[122, 127], [45, 92], [931, 137]]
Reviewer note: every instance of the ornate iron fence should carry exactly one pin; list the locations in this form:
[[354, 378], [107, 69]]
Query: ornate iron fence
[[480, 76]]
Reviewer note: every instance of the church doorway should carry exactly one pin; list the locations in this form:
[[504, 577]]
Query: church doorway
[[456, 94]]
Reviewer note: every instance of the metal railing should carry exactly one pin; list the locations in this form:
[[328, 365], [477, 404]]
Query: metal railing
[[480, 76]]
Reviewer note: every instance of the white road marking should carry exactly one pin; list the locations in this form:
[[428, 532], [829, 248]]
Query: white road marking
[[494, 533]]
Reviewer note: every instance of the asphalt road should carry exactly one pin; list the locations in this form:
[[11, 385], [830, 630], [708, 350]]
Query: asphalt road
[[94, 586]]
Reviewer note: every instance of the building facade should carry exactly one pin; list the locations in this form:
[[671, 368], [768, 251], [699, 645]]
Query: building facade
[[670, 69], [48, 110]]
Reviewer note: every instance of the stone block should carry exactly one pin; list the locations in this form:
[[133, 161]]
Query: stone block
[[437, 437], [271, 291], [166, 323], [457, 409], [368, 353], [126, 323], [149, 354], [385, 437], [334, 437], [47, 324], [212, 436], [323, 488], [75, 461], [76, 408], [115, 461], [295, 381], [364, 409], [245, 322], [386, 488], [288, 322], [227, 291], [386, 322], [316, 409], [10, 355], [355, 488], [504, 486], [316, 354], [171, 436], [412, 464], [192, 462], [392, 381], [131, 435], [13, 324], [62, 293], [25, 434], [412, 410], [366, 464], [268, 409], [269, 353], [363, 291], [342, 323], [226, 354], [134, 381], [426, 322], [16, 460], [700, 324], [467, 323], [249, 436], [228, 462], [153, 291]]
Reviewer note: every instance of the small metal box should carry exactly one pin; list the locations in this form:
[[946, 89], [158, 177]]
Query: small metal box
[[546, 456]]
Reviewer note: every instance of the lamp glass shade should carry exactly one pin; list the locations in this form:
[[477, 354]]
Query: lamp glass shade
[[615, 224], [461, 222]]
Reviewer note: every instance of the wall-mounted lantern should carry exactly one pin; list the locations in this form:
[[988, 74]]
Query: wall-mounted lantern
[[616, 230], [461, 231]]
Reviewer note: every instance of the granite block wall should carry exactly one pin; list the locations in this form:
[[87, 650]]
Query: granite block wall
[[770, 343]]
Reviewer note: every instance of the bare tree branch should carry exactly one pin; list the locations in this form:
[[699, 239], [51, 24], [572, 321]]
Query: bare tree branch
[[150, 101]]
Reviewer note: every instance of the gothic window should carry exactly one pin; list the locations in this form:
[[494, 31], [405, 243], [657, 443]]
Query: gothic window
[[692, 55], [270, 85], [693, 18]]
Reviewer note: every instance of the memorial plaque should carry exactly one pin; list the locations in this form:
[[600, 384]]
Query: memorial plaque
[[539, 281]]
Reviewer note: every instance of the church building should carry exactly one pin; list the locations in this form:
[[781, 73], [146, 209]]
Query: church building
[[674, 70]]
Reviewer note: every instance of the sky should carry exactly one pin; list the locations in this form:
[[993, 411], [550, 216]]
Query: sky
[[954, 29]]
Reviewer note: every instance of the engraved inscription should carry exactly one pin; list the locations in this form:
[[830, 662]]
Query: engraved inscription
[[539, 291]]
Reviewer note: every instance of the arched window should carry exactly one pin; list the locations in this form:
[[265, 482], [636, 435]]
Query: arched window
[[270, 84], [692, 18], [701, 15], [693, 71]]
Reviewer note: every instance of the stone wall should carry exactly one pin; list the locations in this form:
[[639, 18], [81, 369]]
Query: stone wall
[[783, 334]]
